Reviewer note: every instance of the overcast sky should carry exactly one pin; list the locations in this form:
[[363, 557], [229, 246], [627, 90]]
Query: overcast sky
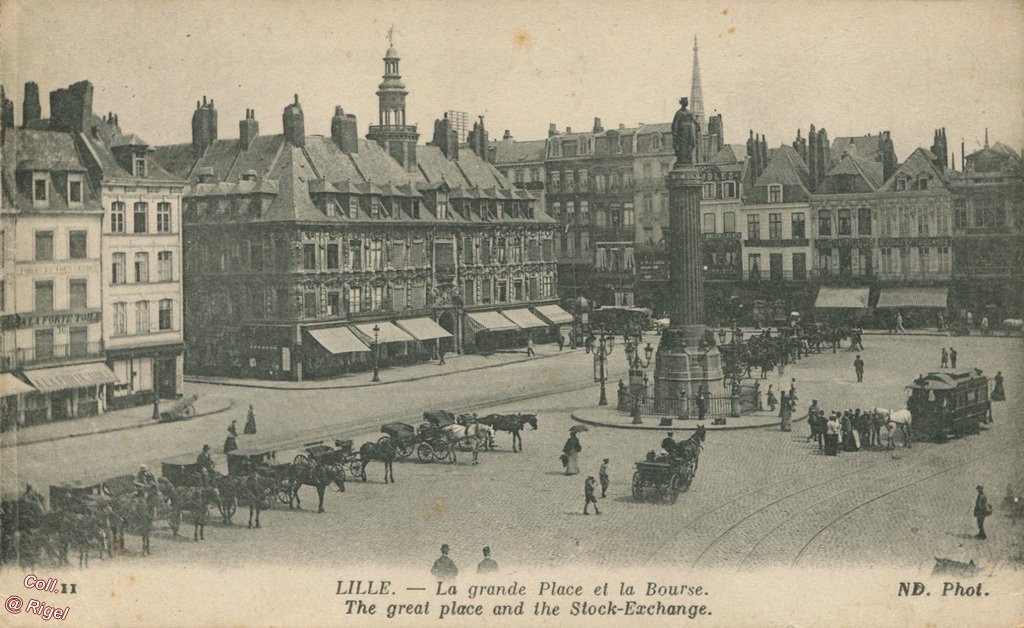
[[853, 68]]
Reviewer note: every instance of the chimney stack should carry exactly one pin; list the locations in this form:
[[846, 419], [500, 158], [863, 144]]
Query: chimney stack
[[71, 107], [552, 130], [568, 130], [477, 139], [294, 124], [204, 127], [597, 126], [446, 138], [30, 110], [345, 131], [888, 156], [248, 129], [507, 136]]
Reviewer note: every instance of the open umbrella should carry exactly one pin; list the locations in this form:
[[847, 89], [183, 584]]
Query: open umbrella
[[578, 428]]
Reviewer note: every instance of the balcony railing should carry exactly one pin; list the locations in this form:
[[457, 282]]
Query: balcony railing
[[35, 355]]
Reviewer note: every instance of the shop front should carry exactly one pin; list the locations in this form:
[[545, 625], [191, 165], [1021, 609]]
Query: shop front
[[12, 401], [430, 337], [919, 306], [333, 351], [67, 392], [391, 345], [142, 373], [558, 320], [842, 305], [530, 325], [489, 331]]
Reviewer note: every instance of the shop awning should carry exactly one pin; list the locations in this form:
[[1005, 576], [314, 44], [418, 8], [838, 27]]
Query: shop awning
[[423, 328], [338, 340], [842, 298], [11, 385], [554, 314], [387, 332], [74, 376], [489, 321], [524, 318], [914, 297]]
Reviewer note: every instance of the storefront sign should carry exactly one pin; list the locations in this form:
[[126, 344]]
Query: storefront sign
[[22, 321], [714, 173], [58, 269], [845, 243]]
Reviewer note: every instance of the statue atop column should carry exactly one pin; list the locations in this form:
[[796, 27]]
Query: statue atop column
[[685, 134]]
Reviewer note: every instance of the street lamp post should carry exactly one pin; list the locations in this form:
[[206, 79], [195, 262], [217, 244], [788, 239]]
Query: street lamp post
[[637, 365], [605, 345], [376, 352]]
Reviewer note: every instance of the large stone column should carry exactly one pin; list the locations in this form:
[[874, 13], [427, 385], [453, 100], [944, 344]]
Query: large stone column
[[685, 362]]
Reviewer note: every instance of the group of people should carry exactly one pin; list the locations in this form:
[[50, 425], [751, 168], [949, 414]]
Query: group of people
[[570, 464], [231, 442], [786, 403], [848, 430], [444, 567], [948, 359]]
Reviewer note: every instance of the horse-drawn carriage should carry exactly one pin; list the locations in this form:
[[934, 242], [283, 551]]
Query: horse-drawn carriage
[[949, 403], [667, 474], [180, 410]]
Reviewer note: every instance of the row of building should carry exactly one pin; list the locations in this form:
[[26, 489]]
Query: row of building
[[287, 255], [840, 223]]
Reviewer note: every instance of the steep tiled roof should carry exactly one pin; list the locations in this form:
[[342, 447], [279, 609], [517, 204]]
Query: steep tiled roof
[[919, 162], [863, 146], [729, 154], [869, 170], [513, 152], [786, 167], [42, 150], [175, 158]]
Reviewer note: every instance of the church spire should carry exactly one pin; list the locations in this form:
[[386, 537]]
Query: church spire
[[696, 93]]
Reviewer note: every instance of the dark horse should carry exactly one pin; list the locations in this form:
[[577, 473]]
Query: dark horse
[[134, 513], [510, 423], [382, 450], [195, 500], [312, 474], [258, 491], [689, 449]]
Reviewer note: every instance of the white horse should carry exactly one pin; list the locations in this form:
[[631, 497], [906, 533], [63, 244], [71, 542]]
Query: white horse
[[896, 420], [473, 435]]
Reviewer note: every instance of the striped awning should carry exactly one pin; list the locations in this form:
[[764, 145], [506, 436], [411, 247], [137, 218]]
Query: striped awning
[[11, 385], [489, 321], [423, 328], [936, 298], [842, 298], [523, 318], [554, 314], [387, 332], [73, 376], [339, 340]]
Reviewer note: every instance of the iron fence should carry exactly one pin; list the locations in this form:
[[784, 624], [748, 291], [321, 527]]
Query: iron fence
[[717, 407]]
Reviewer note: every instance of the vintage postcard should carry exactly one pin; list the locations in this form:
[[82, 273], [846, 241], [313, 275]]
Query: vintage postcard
[[461, 313]]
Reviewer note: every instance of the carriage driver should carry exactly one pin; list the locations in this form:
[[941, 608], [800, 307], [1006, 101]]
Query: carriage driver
[[669, 444], [205, 461], [144, 478]]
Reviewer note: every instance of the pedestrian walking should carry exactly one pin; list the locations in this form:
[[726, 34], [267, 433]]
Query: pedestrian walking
[[792, 390], [440, 354], [570, 454], [487, 565], [444, 567], [702, 403], [602, 475], [970, 319], [945, 358], [588, 495], [530, 353], [952, 357], [899, 324], [858, 366], [942, 322], [250, 421], [561, 342], [812, 414], [783, 402], [787, 414], [233, 429], [771, 399], [982, 509], [984, 325], [832, 436], [998, 394], [757, 396]]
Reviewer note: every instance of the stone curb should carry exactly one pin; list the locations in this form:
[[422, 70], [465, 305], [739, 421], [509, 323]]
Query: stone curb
[[291, 386], [676, 427], [230, 403]]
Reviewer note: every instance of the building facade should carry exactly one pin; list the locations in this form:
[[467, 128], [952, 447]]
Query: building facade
[[52, 365], [309, 255], [142, 262]]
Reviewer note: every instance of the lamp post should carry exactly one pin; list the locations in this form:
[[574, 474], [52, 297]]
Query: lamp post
[[605, 345], [376, 352], [637, 365]]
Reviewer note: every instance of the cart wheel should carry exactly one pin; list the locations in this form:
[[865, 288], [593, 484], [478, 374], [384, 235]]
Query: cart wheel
[[441, 453], [383, 440], [303, 459], [188, 411], [404, 450], [356, 468], [425, 452], [673, 488], [638, 487], [284, 494]]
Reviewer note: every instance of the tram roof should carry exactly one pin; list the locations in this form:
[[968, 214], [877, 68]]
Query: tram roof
[[946, 380]]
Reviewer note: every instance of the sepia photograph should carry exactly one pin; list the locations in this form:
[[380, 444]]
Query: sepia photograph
[[511, 313]]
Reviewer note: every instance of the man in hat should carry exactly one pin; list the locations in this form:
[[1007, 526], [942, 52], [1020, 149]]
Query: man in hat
[[205, 460], [444, 568], [144, 479], [603, 476], [952, 357], [588, 494], [669, 444], [945, 358], [858, 367], [487, 565], [982, 509]]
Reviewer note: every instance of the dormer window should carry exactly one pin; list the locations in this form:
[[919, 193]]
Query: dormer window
[[442, 206], [140, 166], [40, 193], [331, 208], [656, 142], [922, 183], [901, 184], [249, 175], [74, 189], [774, 193], [353, 207]]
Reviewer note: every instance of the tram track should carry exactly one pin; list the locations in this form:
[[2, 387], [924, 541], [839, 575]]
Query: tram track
[[741, 537]]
